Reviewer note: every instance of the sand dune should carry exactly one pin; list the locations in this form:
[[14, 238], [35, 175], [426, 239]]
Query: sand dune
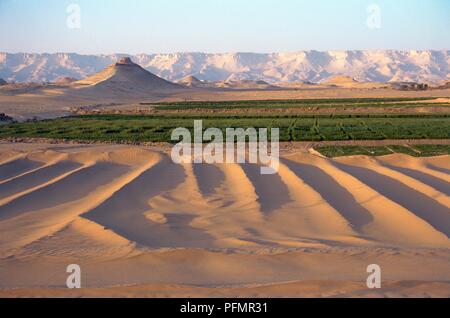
[[130, 216], [391, 221]]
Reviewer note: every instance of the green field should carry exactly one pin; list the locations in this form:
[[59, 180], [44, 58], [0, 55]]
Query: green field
[[158, 128], [294, 103], [412, 150]]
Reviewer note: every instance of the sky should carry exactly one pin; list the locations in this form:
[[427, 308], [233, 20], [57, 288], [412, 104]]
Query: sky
[[167, 26]]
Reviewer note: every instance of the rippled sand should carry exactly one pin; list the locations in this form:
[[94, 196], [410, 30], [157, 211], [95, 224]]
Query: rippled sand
[[140, 225]]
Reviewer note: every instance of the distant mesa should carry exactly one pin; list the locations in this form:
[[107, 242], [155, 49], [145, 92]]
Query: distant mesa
[[3, 82], [237, 83], [191, 81], [65, 80], [125, 75], [339, 80], [232, 83], [342, 81]]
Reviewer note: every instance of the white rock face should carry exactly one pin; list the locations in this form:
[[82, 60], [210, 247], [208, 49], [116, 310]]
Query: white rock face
[[311, 66]]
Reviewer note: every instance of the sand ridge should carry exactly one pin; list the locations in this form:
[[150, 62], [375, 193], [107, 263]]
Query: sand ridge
[[131, 216]]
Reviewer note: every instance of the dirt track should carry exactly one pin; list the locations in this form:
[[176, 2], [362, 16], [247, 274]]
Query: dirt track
[[284, 146]]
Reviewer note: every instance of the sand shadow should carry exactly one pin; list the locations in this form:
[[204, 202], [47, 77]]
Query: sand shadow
[[36, 178], [270, 189], [437, 168], [17, 167], [124, 211], [421, 205], [332, 192], [71, 188], [433, 182], [209, 178]]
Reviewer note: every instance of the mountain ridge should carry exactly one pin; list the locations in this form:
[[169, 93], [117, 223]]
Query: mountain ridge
[[431, 66]]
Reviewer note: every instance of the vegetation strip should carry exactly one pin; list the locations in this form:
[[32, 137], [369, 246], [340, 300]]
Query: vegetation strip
[[118, 128], [293, 127], [412, 150], [299, 103]]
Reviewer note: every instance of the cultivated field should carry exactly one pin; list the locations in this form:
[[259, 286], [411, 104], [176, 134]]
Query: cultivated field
[[411, 150], [388, 118], [158, 128]]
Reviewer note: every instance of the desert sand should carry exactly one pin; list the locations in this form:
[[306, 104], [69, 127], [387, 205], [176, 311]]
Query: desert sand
[[140, 225]]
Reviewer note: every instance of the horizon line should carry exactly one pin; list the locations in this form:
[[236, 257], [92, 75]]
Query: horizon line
[[228, 52]]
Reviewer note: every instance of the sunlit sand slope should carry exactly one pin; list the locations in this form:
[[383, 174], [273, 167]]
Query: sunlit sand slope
[[130, 216]]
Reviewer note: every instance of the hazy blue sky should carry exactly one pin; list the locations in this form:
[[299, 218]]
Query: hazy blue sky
[[154, 26]]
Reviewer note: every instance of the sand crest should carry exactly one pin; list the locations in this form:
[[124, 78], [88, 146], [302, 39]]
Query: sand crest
[[131, 217]]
